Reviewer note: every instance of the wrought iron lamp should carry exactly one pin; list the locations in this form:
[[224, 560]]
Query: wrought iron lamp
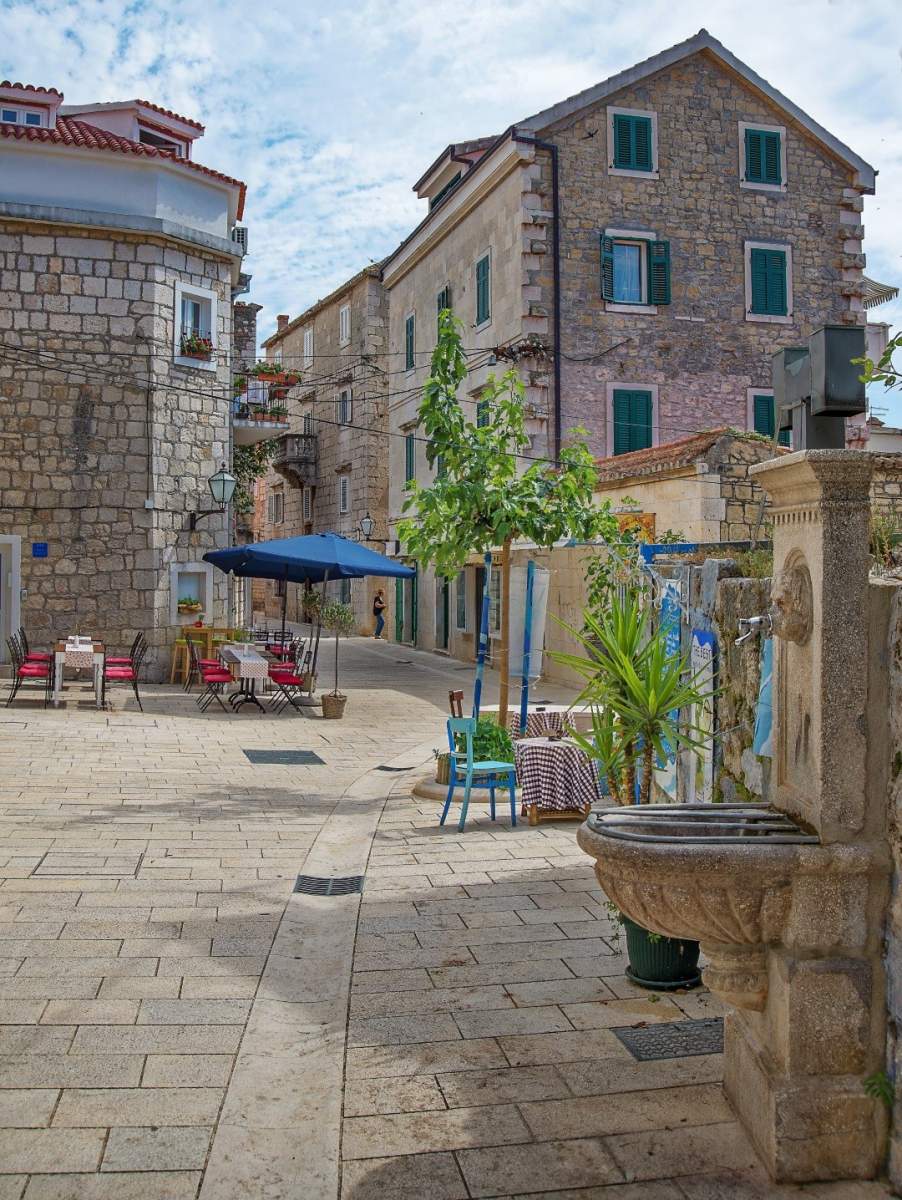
[[222, 488]]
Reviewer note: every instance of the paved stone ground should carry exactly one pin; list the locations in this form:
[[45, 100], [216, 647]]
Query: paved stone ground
[[175, 1023]]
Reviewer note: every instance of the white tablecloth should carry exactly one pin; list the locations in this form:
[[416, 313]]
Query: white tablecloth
[[246, 661]]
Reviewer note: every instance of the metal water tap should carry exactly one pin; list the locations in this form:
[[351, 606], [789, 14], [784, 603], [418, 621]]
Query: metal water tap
[[753, 625]]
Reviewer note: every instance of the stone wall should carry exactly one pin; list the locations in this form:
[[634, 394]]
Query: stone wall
[[107, 443], [886, 484], [700, 350], [893, 956], [244, 335]]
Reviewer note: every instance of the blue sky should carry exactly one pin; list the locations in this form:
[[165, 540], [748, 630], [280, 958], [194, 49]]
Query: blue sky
[[330, 111]]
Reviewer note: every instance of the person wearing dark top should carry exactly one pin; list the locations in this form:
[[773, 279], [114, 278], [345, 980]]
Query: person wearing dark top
[[379, 607]]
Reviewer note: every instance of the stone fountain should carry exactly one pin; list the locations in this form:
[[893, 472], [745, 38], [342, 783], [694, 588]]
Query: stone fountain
[[789, 902]]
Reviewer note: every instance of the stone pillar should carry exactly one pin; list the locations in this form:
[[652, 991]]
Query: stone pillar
[[795, 1070]]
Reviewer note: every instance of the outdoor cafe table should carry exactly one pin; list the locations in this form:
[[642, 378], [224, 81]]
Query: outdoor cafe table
[[83, 652], [247, 666], [557, 779]]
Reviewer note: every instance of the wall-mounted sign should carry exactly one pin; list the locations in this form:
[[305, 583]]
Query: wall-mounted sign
[[39, 549]]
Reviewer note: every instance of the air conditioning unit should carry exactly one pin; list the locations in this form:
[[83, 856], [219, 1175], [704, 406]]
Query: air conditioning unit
[[239, 235]]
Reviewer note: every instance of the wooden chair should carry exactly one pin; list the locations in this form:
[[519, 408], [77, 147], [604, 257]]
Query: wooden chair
[[489, 770], [456, 703]]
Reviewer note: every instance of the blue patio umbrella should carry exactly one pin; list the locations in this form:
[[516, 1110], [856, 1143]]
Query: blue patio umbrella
[[313, 558]]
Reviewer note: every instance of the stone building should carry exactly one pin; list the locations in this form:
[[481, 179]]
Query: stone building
[[331, 470], [641, 249], [119, 265]]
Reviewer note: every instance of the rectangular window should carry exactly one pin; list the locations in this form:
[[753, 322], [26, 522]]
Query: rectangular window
[[763, 158], [635, 270], [194, 326], [633, 139], [344, 406], [764, 417], [482, 414], [344, 324], [195, 317], [632, 420], [308, 347], [460, 600], [410, 458], [767, 281], [276, 505], [308, 423], [344, 591], [307, 504], [443, 300], [344, 498], [409, 347], [32, 118], [495, 599], [9, 115], [483, 290]]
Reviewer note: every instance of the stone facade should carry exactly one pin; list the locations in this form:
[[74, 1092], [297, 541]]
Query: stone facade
[[244, 334], [332, 448], [107, 443]]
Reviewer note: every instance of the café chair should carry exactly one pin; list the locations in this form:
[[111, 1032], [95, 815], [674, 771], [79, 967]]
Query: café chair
[[461, 763]]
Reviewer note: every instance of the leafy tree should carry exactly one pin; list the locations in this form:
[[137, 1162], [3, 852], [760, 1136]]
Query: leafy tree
[[480, 499], [339, 619], [883, 371], [248, 464]]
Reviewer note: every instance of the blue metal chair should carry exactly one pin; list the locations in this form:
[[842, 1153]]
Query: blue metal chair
[[464, 769]]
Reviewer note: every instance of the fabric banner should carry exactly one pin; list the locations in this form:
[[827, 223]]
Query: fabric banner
[[701, 662], [666, 770], [518, 620], [762, 745]]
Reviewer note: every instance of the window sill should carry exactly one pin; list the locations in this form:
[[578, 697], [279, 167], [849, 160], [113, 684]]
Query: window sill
[[479, 326], [768, 319], [649, 309], [343, 343], [194, 364], [631, 174], [749, 186]]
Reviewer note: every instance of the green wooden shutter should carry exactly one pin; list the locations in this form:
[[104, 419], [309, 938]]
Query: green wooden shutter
[[764, 415], [399, 610], [483, 291], [482, 413], [607, 267], [642, 143], [762, 156], [772, 171], [632, 143], [443, 301], [632, 420], [753, 163], [621, 422], [409, 332], [410, 462], [768, 278], [659, 272]]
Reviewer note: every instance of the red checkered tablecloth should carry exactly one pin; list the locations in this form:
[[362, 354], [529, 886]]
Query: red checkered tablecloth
[[555, 775], [537, 723]]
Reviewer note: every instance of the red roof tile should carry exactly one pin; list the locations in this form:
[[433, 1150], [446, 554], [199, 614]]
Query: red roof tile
[[670, 456], [74, 133], [30, 87], [167, 112]]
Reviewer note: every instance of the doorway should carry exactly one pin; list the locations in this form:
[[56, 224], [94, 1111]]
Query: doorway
[[10, 589], [442, 607]]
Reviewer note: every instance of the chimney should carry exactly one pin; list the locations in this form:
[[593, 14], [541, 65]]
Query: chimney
[[281, 322]]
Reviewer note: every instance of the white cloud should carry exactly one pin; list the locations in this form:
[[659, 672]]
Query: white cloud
[[330, 111]]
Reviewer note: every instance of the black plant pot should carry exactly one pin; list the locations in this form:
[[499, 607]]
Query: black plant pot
[[660, 963]]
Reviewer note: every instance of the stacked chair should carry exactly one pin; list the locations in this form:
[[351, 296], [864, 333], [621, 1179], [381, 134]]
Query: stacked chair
[[124, 670], [214, 678], [290, 678], [28, 666], [196, 664]]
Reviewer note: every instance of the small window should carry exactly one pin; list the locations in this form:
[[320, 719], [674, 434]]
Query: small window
[[768, 282], [762, 156], [277, 354], [632, 142], [460, 600], [483, 290], [308, 346], [148, 138], [482, 414], [635, 270], [276, 507], [32, 118], [495, 599], [194, 327], [308, 423], [344, 501], [195, 317], [344, 324], [344, 591], [443, 192], [9, 115], [632, 420], [764, 418], [307, 504], [410, 458], [443, 300], [344, 406], [409, 342]]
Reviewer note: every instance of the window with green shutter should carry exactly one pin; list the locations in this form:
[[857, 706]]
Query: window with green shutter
[[762, 157], [443, 300], [767, 271], [410, 458], [409, 332], [483, 290], [632, 138], [632, 420], [482, 413], [764, 416], [635, 270]]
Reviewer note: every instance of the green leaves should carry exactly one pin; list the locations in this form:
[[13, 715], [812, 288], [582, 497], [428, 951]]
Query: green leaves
[[884, 370]]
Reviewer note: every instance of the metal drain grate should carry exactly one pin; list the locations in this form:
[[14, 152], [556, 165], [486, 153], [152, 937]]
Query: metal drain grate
[[284, 758], [340, 885], [673, 1039]]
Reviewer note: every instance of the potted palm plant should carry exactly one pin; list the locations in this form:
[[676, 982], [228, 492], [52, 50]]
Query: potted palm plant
[[636, 689], [338, 619]]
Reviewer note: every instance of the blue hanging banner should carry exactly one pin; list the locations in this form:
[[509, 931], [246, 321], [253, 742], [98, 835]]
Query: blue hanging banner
[[666, 769], [762, 744], [527, 639]]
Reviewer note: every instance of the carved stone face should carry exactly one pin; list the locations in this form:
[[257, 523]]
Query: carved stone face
[[791, 603]]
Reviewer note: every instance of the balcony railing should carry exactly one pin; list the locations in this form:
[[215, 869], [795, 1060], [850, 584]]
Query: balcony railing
[[295, 458], [258, 414]]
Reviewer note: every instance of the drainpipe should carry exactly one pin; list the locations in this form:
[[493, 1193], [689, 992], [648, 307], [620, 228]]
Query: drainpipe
[[556, 277]]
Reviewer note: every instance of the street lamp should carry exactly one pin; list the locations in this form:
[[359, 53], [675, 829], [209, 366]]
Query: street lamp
[[365, 527], [222, 488]]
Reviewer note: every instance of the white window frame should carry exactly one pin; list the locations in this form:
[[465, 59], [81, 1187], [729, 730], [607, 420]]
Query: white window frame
[[613, 111], [623, 385], [460, 590], [22, 115], [308, 346], [486, 253], [205, 295], [276, 507], [307, 504], [277, 354], [768, 318], [345, 406], [749, 185], [643, 237], [407, 316], [495, 601], [344, 325], [344, 495]]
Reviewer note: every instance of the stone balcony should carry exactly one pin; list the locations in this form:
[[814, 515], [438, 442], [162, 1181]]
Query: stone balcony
[[295, 458], [259, 422]]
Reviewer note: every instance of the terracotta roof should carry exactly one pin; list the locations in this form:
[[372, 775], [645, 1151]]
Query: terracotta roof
[[30, 87], [669, 457], [78, 134], [167, 112]]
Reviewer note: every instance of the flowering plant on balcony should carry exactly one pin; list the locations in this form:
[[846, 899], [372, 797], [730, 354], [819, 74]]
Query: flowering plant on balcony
[[268, 372], [195, 345]]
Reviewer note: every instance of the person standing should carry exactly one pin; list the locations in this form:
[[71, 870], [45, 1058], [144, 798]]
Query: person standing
[[379, 607]]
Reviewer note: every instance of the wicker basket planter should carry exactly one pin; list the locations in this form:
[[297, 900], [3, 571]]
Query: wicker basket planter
[[333, 705], [443, 768]]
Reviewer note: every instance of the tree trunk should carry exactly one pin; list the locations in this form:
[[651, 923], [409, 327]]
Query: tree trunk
[[504, 652], [648, 765], [629, 774]]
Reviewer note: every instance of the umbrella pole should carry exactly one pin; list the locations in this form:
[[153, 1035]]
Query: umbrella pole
[[319, 626], [284, 607]]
